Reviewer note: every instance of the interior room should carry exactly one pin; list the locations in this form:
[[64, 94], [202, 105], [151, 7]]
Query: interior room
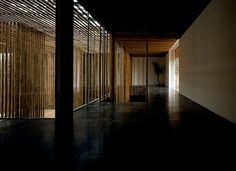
[[125, 85]]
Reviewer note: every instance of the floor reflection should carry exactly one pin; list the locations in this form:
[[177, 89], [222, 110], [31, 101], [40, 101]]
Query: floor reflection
[[112, 137]]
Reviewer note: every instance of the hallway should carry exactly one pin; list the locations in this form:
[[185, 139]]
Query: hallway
[[173, 132]]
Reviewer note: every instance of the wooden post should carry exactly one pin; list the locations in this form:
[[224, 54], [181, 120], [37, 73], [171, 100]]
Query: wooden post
[[2, 70], [146, 37], [112, 63]]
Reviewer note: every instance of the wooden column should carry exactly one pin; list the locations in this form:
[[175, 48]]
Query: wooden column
[[146, 37], [127, 76], [64, 82], [112, 68]]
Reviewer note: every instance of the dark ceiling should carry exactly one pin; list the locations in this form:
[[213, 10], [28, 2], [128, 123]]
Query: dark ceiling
[[163, 16], [165, 19]]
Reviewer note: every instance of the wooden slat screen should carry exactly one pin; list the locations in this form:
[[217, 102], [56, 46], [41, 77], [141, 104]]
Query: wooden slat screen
[[22, 71], [27, 59]]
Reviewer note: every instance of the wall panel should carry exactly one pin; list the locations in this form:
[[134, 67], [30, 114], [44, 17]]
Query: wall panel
[[207, 59]]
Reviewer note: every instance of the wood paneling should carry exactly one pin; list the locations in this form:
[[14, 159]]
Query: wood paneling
[[22, 66], [135, 44], [122, 75]]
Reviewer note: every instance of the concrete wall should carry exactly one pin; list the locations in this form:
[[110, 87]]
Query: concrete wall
[[208, 59]]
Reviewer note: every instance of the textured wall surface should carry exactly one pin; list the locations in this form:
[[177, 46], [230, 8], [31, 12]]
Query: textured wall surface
[[208, 59]]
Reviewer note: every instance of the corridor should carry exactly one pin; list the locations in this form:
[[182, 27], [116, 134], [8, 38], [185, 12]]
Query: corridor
[[173, 132]]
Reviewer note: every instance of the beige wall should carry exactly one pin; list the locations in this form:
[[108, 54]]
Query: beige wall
[[208, 59]]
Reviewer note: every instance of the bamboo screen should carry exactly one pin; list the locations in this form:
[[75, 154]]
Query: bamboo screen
[[22, 71], [27, 59], [90, 60], [49, 77]]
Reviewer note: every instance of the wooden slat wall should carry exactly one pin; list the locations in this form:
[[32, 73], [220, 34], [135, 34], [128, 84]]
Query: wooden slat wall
[[49, 73], [27, 70]]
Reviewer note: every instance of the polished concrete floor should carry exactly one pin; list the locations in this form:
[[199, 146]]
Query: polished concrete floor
[[173, 132]]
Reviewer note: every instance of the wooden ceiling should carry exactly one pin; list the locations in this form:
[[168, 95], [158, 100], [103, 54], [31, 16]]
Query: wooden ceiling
[[135, 44]]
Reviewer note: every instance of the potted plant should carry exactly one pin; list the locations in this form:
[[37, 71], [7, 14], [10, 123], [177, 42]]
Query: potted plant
[[158, 68]]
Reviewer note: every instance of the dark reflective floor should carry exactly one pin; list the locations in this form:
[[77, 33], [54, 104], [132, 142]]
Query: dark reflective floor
[[173, 133]]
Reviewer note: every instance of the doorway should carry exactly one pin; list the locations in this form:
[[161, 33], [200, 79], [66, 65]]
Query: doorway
[[174, 66]]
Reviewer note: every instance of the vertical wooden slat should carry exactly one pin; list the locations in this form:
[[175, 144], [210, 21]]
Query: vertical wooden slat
[[39, 44], [6, 72], [30, 56], [91, 77], [39, 94], [54, 77], [146, 57], [21, 71], [33, 77], [3, 69], [75, 100], [43, 74], [43, 66], [83, 77], [39, 78], [106, 66], [78, 76], [47, 84], [99, 61], [1, 66], [22, 76], [52, 70], [25, 73], [17, 71], [96, 75], [79, 79], [19, 63], [40, 75], [43, 87], [104, 63], [10, 72], [33, 92], [74, 78], [13, 68]]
